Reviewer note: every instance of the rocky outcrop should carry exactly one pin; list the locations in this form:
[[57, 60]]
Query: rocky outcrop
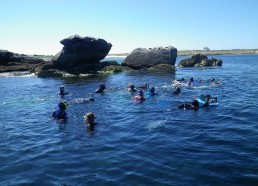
[[142, 57], [10, 62], [80, 52], [49, 69], [112, 69], [6, 58], [164, 68], [199, 60]]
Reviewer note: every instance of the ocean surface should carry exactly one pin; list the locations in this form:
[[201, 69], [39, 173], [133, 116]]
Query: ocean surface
[[149, 143]]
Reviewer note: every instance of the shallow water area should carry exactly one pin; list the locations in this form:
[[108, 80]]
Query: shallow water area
[[147, 143]]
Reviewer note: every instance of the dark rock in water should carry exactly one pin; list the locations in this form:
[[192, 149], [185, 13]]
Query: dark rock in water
[[142, 57], [10, 62], [163, 68], [111, 69], [79, 51], [49, 69], [199, 60], [6, 58]]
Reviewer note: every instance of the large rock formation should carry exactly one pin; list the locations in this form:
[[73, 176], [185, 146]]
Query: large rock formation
[[10, 61], [6, 58], [142, 57], [199, 60], [81, 51]]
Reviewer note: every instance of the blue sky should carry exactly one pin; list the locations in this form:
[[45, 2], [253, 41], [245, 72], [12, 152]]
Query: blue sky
[[37, 26]]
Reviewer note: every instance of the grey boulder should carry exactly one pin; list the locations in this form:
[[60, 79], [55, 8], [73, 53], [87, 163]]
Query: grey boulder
[[199, 60], [142, 57]]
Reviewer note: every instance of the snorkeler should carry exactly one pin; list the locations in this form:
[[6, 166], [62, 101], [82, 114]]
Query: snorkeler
[[89, 121], [190, 82], [181, 80], [101, 89], [152, 91], [143, 86], [131, 88], [194, 105], [62, 91], [140, 96], [84, 100], [177, 91], [60, 113], [212, 80]]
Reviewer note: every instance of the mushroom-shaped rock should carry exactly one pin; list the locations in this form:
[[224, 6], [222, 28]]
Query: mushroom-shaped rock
[[79, 50]]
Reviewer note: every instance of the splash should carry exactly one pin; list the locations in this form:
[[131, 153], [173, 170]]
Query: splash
[[17, 74]]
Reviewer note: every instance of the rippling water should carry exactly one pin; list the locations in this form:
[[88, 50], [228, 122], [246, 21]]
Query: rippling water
[[150, 143]]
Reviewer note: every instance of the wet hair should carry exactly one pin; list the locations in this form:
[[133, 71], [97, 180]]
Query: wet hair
[[90, 116]]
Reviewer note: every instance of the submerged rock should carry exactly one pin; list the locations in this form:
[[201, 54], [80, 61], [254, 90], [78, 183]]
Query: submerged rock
[[79, 51], [199, 60], [142, 57], [162, 68], [115, 69]]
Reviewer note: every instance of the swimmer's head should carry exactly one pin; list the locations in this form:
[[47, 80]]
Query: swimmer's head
[[102, 86], [152, 89], [61, 88], [62, 105], [90, 116], [131, 86], [140, 93], [195, 103]]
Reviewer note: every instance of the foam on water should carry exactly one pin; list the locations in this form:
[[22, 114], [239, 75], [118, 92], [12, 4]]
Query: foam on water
[[155, 124], [17, 74]]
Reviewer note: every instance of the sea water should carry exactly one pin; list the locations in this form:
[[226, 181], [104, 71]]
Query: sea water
[[149, 143]]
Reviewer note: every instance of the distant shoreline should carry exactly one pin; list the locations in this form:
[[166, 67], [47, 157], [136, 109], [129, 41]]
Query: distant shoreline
[[207, 53]]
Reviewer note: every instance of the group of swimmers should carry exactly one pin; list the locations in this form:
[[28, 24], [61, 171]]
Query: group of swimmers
[[192, 82], [61, 114], [89, 118]]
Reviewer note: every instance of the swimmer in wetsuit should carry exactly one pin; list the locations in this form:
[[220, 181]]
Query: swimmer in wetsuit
[[143, 86], [101, 88], [139, 97], [89, 121], [177, 91], [131, 88], [62, 91], [152, 91], [194, 105], [181, 80], [60, 114]]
